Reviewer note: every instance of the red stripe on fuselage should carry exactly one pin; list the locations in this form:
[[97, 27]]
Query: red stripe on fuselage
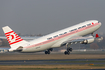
[[59, 37]]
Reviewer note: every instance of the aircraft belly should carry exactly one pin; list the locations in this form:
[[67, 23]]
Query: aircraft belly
[[39, 48]]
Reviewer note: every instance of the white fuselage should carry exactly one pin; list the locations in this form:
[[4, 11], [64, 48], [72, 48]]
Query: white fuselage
[[55, 39]]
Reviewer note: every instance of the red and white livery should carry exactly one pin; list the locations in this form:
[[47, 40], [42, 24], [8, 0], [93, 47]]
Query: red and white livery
[[65, 37]]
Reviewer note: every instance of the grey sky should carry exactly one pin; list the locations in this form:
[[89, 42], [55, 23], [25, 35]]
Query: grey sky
[[46, 16]]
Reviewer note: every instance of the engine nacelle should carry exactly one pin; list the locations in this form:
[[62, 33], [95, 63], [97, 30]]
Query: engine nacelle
[[88, 41]]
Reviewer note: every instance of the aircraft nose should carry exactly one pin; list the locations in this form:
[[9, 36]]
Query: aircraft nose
[[100, 23]]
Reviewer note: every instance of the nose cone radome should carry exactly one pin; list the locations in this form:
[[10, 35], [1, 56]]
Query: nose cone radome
[[100, 24]]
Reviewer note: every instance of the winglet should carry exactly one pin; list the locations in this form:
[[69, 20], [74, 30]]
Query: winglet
[[97, 36]]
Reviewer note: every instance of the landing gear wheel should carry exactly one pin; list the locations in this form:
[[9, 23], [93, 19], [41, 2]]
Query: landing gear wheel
[[47, 52], [66, 52]]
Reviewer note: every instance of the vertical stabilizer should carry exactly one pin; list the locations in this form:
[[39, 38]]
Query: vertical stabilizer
[[14, 40]]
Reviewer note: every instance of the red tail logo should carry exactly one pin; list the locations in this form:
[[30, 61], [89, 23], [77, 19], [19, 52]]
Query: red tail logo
[[97, 35], [13, 37]]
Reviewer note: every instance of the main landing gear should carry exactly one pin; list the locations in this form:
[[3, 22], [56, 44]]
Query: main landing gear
[[68, 51], [48, 51]]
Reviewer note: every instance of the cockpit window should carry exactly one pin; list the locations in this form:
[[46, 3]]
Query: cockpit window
[[79, 27]]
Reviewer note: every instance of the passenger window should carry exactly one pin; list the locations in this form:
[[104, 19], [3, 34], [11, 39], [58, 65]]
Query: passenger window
[[56, 36], [49, 38], [65, 32], [83, 26], [75, 29], [60, 34], [79, 28], [72, 30]]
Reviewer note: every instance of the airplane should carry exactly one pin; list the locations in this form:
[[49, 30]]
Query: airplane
[[65, 37]]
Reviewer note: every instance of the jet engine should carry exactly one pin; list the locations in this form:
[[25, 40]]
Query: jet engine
[[87, 41]]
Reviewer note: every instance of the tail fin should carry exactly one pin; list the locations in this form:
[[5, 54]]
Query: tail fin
[[14, 40], [97, 36]]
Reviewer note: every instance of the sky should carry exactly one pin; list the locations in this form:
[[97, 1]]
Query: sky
[[47, 16]]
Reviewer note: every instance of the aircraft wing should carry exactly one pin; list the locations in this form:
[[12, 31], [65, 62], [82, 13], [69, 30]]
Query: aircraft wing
[[79, 39]]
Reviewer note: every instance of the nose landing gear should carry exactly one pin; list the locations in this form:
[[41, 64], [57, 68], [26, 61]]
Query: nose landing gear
[[68, 51]]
